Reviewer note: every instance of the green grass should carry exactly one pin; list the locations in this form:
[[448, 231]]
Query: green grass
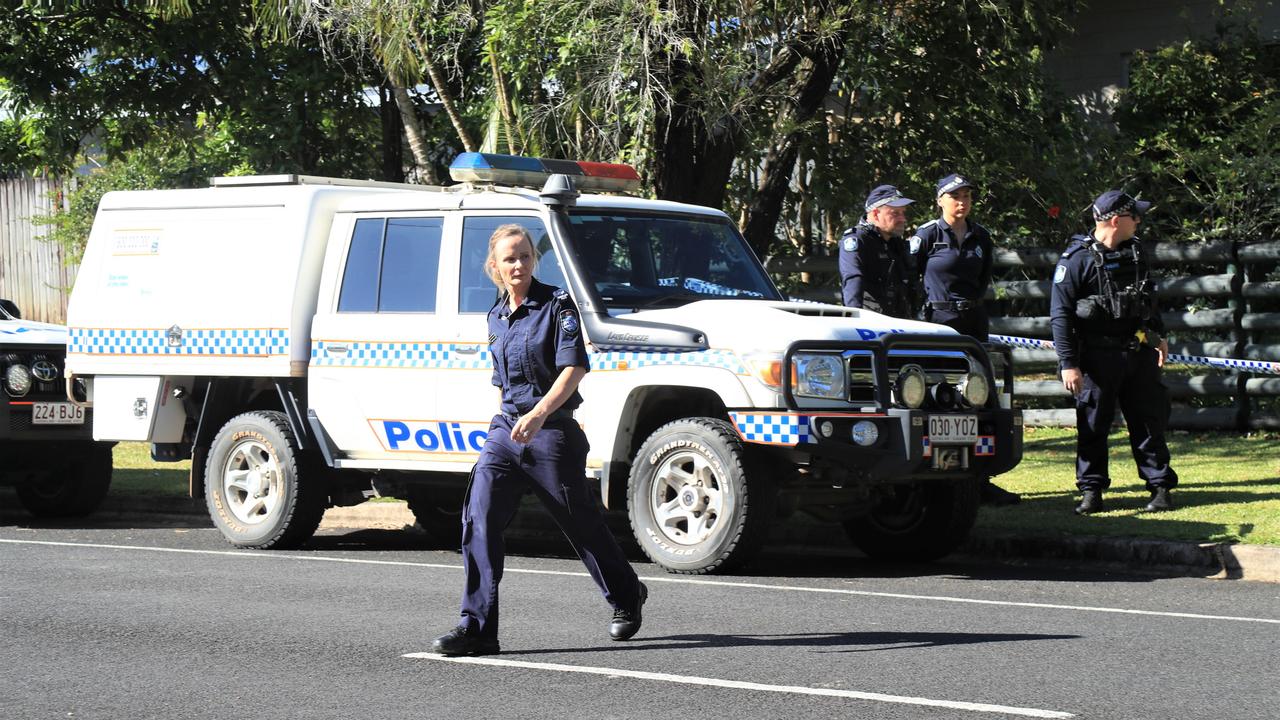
[[1229, 488]]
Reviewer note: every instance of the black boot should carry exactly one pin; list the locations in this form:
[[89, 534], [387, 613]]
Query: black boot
[[997, 496], [626, 623], [1090, 502], [1160, 500], [465, 641]]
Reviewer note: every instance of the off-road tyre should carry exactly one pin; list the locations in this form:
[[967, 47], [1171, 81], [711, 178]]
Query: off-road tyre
[[917, 523], [697, 505], [74, 489], [293, 493], [439, 515]]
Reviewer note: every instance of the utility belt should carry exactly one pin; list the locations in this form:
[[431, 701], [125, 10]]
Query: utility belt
[[954, 305], [1106, 342], [557, 416]]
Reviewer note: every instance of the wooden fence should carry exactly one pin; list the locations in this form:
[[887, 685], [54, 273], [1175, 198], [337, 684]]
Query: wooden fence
[[1239, 321], [33, 273]]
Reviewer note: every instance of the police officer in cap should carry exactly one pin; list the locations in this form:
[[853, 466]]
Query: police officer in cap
[[535, 342], [952, 255], [1109, 339], [873, 264]]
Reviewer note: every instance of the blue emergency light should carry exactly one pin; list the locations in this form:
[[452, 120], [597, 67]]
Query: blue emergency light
[[518, 170]]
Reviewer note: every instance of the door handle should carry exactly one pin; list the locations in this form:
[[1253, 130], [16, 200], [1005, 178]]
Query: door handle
[[466, 349], [336, 349]]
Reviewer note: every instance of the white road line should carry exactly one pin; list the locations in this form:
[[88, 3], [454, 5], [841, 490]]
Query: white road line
[[741, 685], [276, 555]]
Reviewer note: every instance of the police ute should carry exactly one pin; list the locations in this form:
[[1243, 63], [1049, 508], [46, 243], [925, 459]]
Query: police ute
[[47, 450], [312, 342]]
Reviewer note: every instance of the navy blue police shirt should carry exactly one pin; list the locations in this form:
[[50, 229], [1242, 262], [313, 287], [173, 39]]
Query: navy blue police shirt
[[952, 268], [1078, 276], [530, 345], [873, 272]]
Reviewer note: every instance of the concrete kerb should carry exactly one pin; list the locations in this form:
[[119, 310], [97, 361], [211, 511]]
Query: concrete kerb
[[1217, 560]]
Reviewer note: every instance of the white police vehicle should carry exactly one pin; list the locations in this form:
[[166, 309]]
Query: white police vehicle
[[48, 454], [309, 342]]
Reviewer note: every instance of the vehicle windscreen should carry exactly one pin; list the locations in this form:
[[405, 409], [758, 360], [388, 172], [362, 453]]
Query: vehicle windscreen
[[646, 261]]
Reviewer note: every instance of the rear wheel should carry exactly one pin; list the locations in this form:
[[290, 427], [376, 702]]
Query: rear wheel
[[75, 489], [919, 522], [257, 487], [439, 514], [696, 504]]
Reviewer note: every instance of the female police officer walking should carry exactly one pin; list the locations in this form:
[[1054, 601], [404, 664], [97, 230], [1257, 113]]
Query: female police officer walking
[[535, 342], [953, 255]]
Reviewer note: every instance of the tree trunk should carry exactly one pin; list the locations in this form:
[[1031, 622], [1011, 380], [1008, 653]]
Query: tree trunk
[[446, 100], [417, 139], [392, 146], [760, 229]]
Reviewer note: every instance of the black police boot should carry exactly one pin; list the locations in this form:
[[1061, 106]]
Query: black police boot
[[1090, 502], [464, 641], [997, 496], [626, 623], [1160, 500]]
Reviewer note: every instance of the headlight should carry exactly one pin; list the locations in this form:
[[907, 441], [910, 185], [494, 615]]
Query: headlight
[[865, 433], [17, 380], [820, 376], [911, 387], [975, 389]]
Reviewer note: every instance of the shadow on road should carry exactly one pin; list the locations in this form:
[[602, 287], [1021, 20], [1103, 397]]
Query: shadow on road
[[830, 642]]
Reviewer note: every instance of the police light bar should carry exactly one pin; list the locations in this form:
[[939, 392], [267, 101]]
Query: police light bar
[[518, 170]]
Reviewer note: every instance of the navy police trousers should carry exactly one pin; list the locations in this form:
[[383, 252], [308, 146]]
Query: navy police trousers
[[552, 465], [1131, 379]]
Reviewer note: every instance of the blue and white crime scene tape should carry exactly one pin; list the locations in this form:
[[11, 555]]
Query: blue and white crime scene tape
[[1258, 366]]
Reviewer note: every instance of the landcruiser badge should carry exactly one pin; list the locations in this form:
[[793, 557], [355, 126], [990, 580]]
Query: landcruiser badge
[[174, 336], [140, 407]]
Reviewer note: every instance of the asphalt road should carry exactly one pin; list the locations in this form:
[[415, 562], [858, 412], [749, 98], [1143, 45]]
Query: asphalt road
[[170, 622]]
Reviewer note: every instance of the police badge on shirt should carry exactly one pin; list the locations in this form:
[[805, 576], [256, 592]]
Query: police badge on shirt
[[569, 323]]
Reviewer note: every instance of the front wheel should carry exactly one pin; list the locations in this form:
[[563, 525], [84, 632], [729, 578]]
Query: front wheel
[[918, 522], [255, 487], [74, 489], [696, 504]]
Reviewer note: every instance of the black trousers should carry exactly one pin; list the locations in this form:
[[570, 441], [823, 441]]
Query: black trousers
[[1130, 379], [972, 322], [552, 466]]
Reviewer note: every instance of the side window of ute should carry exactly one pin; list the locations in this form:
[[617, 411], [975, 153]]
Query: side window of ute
[[393, 265], [476, 292]]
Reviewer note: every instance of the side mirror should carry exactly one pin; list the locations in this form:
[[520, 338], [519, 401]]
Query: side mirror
[[8, 307]]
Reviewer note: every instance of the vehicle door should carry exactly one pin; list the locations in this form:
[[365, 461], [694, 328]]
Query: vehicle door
[[467, 391], [378, 332]]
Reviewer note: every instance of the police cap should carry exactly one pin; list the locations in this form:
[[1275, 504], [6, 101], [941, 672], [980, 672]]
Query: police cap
[[886, 195], [1116, 202], [954, 182]]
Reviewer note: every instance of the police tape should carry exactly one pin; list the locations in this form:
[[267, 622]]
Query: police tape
[[1259, 366]]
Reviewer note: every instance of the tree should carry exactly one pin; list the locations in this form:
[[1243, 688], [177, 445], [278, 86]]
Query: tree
[[110, 76]]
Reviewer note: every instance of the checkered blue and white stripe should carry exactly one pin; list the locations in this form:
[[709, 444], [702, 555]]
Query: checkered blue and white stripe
[[1256, 366], [250, 342], [433, 356], [633, 360], [772, 428], [986, 445]]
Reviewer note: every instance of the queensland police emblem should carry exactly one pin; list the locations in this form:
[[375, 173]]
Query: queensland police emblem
[[850, 243], [913, 245], [569, 322], [1060, 274]]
